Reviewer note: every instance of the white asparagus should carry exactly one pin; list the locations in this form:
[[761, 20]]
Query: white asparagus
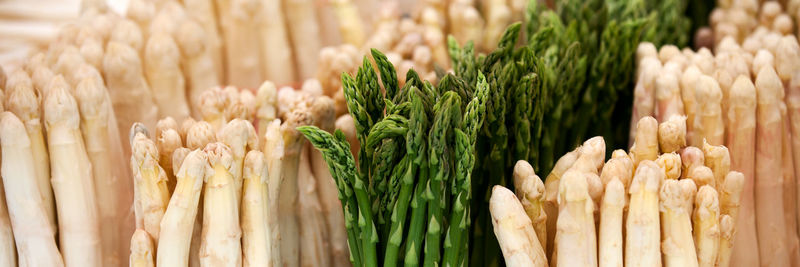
[[130, 94], [529, 188], [688, 83], [23, 101], [514, 231], [127, 32], [708, 123], [729, 201], [142, 250], [691, 157], [668, 97], [705, 220], [304, 33], [645, 146], [167, 142], [212, 107], [162, 67], [670, 163], [551, 184], [274, 152], [256, 241], [179, 219], [240, 136], [184, 129], [150, 181], [610, 232], [741, 142], [265, 110], [313, 230], [718, 159], [672, 134], [793, 105], [293, 142], [702, 175], [575, 234], [221, 238], [241, 42], [350, 25], [642, 238], [789, 189], [205, 15], [34, 234], [676, 223], [770, 223], [94, 105], [73, 185], [7, 248], [198, 64], [276, 51], [200, 135]]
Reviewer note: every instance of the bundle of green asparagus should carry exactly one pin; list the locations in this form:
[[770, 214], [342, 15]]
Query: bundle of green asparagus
[[407, 198], [661, 203], [742, 95]]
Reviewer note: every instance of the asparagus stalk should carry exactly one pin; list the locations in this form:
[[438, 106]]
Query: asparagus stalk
[[265, 110], [793, 104], [530, 191], [702, 175], [642, 239], [221, 239], [198, 66], [672, 134], [518, 240], [274, 151], [646, 145], [126, 31], [162, 67], [239, 136], [551, 195], [304, 34], [256, 240], [668, 98], [611, 211], [350, 25], [770, 223], [150, 181], [94, 106], [141, 250], [72, 178], [167, 142], [789, 189], [186, 125], [236, 18], [313, 232], [718, 160], [7, 248], [23, 101], [575, 236], [706, 225], [741, 141], [212, 107], [275, 45], [35, 240], [287, 208], [644, 92], [729, 200], [676, 222], [708, 122], [177, 225]]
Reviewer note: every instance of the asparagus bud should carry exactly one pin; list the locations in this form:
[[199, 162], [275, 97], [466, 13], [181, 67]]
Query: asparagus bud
[[688, 83], [72, 181], [672, 134], [200, 135], [221, 239], [702, 175], [127, 32], [179, 219], [575, 237], [256, 241], [203, 12], [530, 191], [670, 163], [141, 250], [212, 106], [34, 233], [620, 167], [186, 125], [265, 106], [676, 224], [150, 180], [642, 239], [514, 231], [691, 157], [646, 145], [706, 225]]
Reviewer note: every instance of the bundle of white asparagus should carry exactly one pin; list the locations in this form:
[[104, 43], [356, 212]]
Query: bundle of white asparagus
[[661, 203], [240, 186], [746, 96]]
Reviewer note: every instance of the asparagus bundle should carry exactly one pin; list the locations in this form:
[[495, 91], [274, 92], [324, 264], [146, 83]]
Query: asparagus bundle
[[430, 178], [663, 218]]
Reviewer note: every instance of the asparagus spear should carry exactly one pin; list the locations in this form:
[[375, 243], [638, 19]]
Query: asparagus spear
[[668, 99], [167, 142], [313, 235], [198, 65], [126, 31], [575, 238], [256, 239], [530, 190], [23, 101], [141, 250], [274, 150], [150, 180], [670, 163], [646, 145], [672, 134], [200, 135], [292, 144], [611, 215], [741, 142], [265, 111], [719, 160], [676, 223], [644, 92], [304, 34], [203, 11], [729, 199], [221, 239], [72, 178], [275, 45], [518, 240], [770, 223], [642, 239], [7, 247], [706, 225], [240, 136], [164, 75], [177, 225], [34, 234], [551, 194], [240, 36], [691, 157]]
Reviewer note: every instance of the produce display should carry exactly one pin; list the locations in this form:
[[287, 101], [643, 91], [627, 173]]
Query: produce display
[[387, 133]]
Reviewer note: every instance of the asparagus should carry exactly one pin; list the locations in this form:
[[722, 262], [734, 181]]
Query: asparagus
[[221, 238], [265, 112], [34, 234], [198, 65], [530, 190], [313, 235], [729, 200], [203, 11], [150, 181], [719, 160], [514, 231], [274, 151], [167, 142], [72, 180], [672, 134], [240, 136], [611, 216], [646, 145], [575, 236], [304, 35], [256, 239], [642, 239], [163, 71], [676, 224], [141, 250], [292, 145], [551, 194], [240, 36], [175, 235], [23, 101], [691, 157], [668, 99], [7, 247], [200, 135], [706, 225]]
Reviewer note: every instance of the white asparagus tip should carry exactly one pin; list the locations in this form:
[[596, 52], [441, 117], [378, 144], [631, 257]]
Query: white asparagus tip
[[178, 157], [201, 134], [141, 249], [219, 154], [136, 129], [670, 163], [195, 164], [255, 165], [59, 105]]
